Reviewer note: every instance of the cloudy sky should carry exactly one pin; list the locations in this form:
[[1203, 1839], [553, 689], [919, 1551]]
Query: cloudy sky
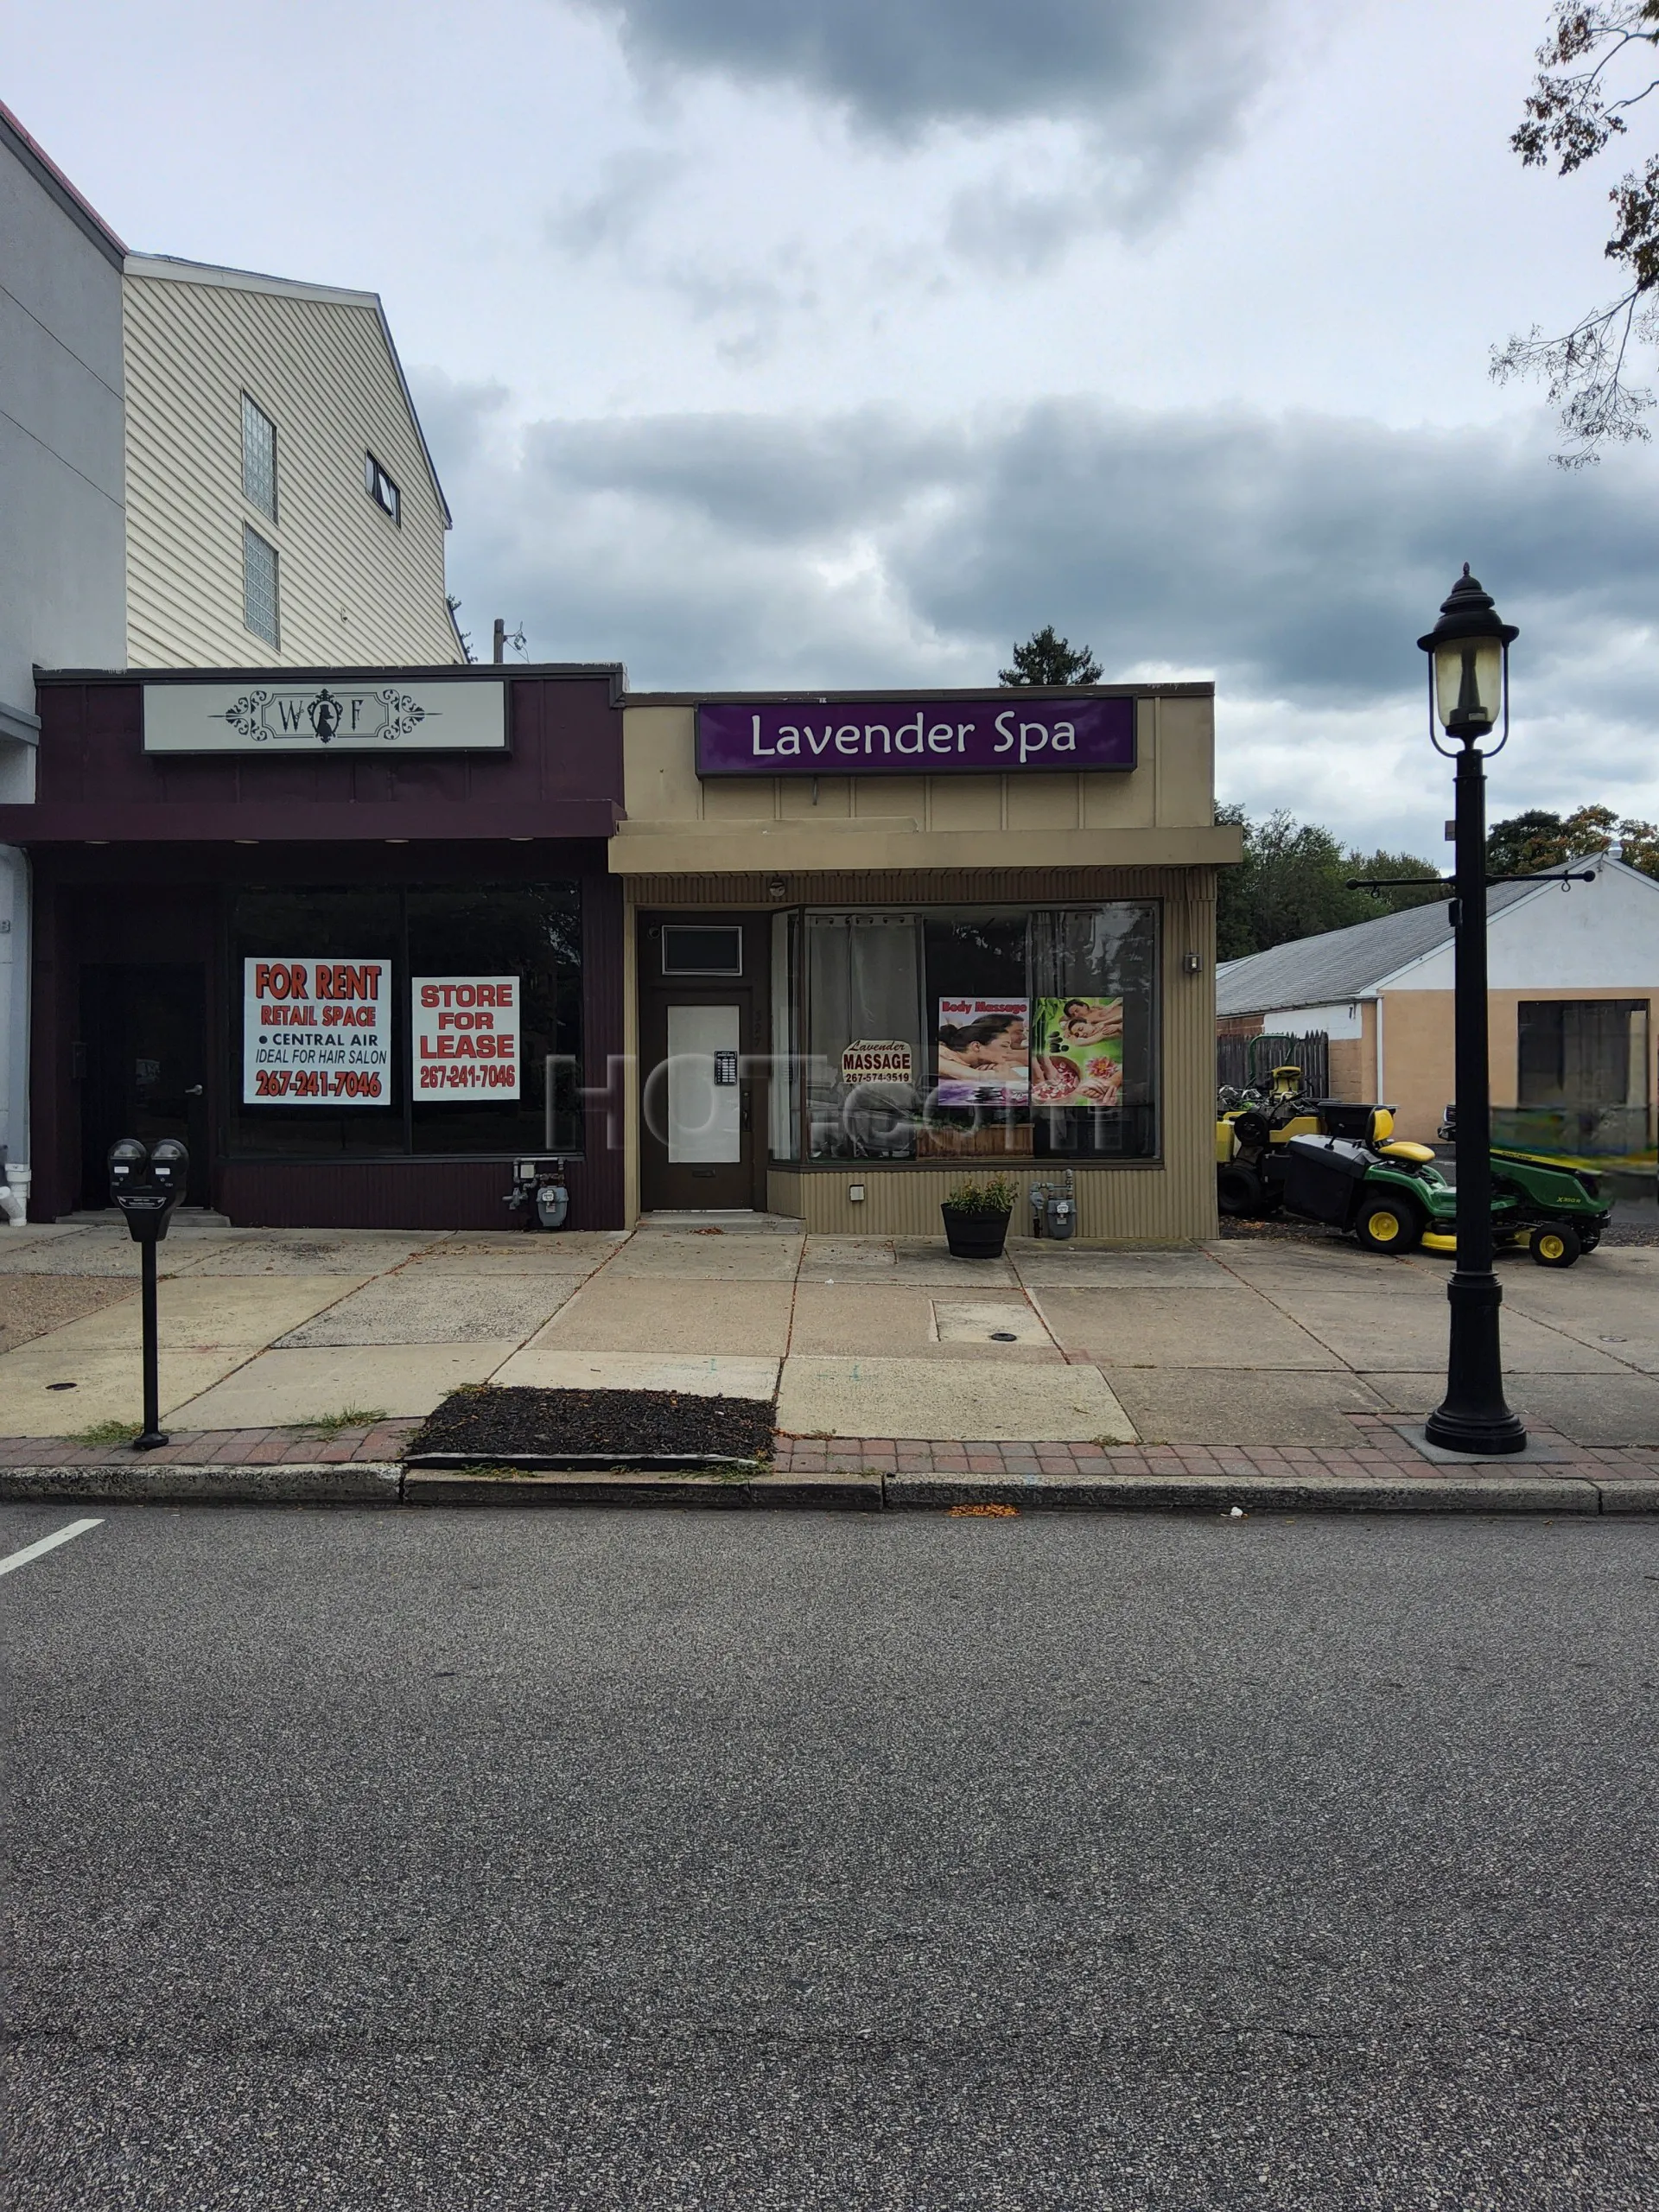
[[842, 342]]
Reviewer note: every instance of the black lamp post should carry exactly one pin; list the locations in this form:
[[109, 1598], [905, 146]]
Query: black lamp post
[[1469, 693]]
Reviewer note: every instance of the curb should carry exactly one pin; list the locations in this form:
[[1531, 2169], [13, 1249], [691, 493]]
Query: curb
[[365, 1481], [386, 1483], [1252, 1493]]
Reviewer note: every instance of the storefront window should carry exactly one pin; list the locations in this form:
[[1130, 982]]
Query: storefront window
[[441, 1021], [982, 1031]]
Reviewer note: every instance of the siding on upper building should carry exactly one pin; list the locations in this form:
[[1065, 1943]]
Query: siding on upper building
[[61, 436], [355, 587], [61, 522]]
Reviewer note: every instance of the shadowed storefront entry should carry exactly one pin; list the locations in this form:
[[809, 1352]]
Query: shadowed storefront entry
[[702, 1046]]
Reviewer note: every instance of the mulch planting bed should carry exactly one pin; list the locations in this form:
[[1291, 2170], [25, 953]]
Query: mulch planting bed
[[546, 1430]]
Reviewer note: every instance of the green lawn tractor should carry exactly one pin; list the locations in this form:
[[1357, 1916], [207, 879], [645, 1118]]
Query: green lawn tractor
[[1392, 1197]]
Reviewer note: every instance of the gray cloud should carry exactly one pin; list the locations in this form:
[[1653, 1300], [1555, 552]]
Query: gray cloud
[[1295, 560], [632, 186], [898, 63]]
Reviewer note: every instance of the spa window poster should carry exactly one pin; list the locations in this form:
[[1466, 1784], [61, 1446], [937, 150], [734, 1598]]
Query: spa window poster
[[984, 1053], [1078, 1052]]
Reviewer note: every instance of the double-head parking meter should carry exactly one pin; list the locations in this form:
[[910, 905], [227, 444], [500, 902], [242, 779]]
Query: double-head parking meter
[[147, 1181]]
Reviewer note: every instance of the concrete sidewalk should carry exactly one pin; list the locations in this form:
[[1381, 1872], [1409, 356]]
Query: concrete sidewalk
[[1236, 1359]]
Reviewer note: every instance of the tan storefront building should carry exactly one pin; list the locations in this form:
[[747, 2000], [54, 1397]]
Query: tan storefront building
[[873, 944]]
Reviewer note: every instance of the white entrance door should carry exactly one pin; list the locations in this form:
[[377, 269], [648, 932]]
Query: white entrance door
[[704, 1096]]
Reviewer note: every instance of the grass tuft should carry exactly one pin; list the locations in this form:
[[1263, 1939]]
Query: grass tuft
[[331, 1425], [108, 1431]]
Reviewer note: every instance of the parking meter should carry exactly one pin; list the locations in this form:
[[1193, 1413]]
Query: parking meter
[[147, 1182]]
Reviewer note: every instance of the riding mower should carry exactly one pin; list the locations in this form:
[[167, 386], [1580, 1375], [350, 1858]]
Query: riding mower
[[1253, 1129], [1391, 1196]]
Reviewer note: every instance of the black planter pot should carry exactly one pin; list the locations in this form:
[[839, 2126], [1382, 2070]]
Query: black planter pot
[[975, 1236]]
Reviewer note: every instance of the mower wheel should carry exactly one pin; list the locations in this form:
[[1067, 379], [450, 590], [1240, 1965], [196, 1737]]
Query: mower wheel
[[1389, 1224], [1238, 1189], [1555, 1245]]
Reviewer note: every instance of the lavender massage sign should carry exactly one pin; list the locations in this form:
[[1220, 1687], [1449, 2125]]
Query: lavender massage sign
[[1002, 733]]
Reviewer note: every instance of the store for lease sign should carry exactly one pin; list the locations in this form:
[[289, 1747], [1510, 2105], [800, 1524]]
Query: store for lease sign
[[464, 1036], [316, 1033]]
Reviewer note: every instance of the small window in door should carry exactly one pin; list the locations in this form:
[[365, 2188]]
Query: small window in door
[[689, 950]]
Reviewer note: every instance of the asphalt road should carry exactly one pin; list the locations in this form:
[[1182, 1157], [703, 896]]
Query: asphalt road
[[596, 1858]]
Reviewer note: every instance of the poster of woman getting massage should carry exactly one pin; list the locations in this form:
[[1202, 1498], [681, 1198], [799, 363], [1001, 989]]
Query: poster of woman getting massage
[[1077, 1052], [983, 1052]]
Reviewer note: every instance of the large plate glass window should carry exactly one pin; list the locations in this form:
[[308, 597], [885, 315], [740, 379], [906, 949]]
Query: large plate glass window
[[984, 1032], [465, 943]]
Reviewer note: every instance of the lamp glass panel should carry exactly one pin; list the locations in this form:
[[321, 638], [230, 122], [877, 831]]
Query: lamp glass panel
[[1469, 683]]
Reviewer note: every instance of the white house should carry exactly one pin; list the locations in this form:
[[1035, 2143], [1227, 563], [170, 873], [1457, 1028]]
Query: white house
[[1573, 976]]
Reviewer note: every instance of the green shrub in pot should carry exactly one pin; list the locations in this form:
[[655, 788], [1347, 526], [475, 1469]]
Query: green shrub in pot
[[976, 1216]]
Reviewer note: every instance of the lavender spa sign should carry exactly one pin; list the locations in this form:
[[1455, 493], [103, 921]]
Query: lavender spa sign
[[1000, 733]]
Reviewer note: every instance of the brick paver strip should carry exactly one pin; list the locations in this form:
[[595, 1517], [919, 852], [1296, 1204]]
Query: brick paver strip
[[1378, 1450]]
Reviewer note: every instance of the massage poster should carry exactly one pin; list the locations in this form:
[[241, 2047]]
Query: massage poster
[[1077, 1052], [983, 1048]]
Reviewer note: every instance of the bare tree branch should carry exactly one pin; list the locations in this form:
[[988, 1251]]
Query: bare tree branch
[[1570, 119]]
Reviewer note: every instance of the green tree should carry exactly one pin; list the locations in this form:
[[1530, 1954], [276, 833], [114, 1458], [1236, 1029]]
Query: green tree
[[1292, 882], [1045, 659], [1595, 68], [1538, 839]]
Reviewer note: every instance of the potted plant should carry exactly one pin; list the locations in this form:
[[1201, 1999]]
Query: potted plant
[[977, 1217]]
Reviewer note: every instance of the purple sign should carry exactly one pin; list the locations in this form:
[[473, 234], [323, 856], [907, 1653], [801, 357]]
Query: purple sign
[[1001, 733]]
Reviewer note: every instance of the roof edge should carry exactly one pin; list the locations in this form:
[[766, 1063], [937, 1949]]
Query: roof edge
[[53, 182], [806, 696], [172, 268]]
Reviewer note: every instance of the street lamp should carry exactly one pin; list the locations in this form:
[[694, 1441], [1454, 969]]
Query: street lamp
[[1469, 695]]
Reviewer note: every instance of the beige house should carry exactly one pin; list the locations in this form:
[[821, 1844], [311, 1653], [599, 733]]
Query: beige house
[[1573, 975], [281, 508], [838, 971]]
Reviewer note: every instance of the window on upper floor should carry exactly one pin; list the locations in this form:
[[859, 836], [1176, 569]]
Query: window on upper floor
[[381, 489], [258, 457], [259, 586]]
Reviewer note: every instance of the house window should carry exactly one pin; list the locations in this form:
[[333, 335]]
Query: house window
[[258, 458], [381, 489], [259, 586], [1584, 1054]]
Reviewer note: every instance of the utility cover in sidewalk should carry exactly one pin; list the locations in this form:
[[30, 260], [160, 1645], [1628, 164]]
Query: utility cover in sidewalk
[[957, 1324]]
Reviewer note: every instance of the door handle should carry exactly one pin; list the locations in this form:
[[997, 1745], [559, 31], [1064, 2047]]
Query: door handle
[[192, 1090]]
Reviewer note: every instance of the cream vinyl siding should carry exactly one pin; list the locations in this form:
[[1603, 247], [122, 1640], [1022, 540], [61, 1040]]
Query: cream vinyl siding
[[356, 588]]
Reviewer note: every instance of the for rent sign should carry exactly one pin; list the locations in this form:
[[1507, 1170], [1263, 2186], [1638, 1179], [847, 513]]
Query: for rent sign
[[316, 1033], [464, 1036], [1002, 733]]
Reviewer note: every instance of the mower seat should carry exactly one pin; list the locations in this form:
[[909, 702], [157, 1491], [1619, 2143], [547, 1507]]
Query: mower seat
[[1403, 1149]]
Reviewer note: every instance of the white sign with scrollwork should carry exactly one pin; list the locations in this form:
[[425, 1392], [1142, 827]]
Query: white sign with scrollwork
[[415, 714]]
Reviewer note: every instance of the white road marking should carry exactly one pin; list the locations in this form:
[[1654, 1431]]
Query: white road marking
[[47, 1544]]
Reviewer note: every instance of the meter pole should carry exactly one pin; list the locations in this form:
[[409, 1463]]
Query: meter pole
[[152, 1433]]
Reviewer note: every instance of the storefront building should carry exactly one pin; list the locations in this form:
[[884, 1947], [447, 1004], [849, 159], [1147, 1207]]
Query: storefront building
[[364, 939], [350, 933], [873, 945]]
